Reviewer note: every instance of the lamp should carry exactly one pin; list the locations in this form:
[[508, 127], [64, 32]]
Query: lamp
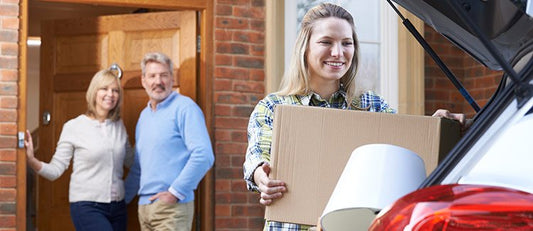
[[375, 176]]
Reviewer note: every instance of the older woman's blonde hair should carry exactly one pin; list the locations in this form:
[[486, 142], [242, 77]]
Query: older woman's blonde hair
[[99, 80], [296, 79]]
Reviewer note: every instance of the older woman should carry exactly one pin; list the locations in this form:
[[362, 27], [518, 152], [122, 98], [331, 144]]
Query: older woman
[[98, 144]]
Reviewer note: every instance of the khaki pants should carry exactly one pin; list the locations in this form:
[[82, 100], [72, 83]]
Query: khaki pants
[[166, 217]]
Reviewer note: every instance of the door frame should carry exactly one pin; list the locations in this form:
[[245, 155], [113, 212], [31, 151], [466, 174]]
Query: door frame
[[204, 91]]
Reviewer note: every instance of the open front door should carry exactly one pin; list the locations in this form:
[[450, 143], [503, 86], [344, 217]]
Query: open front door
[[72, 51]]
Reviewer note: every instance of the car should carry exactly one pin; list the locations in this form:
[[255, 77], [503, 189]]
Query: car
[[486, 180]]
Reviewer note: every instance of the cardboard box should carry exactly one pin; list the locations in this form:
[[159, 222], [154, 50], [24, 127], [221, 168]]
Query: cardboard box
[[311, 145]]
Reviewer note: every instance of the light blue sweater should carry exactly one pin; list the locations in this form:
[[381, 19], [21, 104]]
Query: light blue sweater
[[172, 150]]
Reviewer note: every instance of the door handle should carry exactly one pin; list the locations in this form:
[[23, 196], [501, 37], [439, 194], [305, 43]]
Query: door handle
[[46, 117], [116, 67]]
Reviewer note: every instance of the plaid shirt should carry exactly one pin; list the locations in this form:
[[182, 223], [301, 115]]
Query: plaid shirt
[[260, 131]]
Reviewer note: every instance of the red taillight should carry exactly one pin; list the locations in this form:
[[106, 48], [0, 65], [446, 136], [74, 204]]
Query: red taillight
[[459, 207]]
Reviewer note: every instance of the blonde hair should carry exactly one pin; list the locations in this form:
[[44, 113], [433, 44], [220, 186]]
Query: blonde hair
[[100, 79], [296, 79]]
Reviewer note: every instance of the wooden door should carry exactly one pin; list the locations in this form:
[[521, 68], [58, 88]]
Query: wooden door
[[72, 51]]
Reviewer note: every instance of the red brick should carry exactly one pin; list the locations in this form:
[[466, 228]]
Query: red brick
[[223, 185], [248, 86], [9, 49], [11, 1], [223, 110], [229, 173], [258, 50], [230, 98], [223, 85], [8, 62], [484, 82], [232, 23], [7, 195], [249, 62], [258, 3], [223, 10], [243, 110], [8, 208], [242, 11], [243, 210], [232, 73], [239, 136], [7, 221], [230, 148], [249, 37], [230, 223], [233, 2], [8, 129], [258, 25], [8, 142], [223, 35], [256, 223], [10, 23], [232, 48], [223, 60], [222, 135], [8, 115], [222, 210], [234, 123], [258, 12], [9, 10], [8, 89], [8, 102], [238, 159], [239, 186], [8, 155], [257, 75], [8, 181], [9, 75]]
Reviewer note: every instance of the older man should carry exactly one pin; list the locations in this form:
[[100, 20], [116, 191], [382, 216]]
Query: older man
[[173, 151]]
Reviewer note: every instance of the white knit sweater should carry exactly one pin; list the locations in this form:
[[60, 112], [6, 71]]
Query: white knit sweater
[[100, 152]]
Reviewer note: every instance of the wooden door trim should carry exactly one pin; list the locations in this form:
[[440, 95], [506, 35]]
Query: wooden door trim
[[20, 221], [204, 90], [153, 4]]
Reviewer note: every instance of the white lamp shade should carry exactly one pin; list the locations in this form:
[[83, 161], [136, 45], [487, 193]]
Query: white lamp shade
[[375, 176]]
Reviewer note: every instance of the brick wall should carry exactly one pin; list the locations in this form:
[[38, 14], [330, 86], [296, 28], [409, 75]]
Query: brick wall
[[9, 25], [238, 85], [478, 80]]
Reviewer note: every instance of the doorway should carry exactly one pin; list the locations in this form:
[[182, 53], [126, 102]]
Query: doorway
[[39, 11]]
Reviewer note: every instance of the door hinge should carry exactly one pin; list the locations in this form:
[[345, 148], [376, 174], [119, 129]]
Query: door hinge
[[198, 43]]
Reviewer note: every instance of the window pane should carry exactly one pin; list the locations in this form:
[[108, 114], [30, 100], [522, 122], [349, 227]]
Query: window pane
[[368, 74]]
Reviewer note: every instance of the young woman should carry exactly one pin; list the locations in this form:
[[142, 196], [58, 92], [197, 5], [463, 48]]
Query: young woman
[[322, 73], [98, 144]]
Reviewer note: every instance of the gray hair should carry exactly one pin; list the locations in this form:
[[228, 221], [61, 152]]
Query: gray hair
[[157, 57]]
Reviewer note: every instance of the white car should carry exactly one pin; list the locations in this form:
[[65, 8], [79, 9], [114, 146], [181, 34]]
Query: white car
[[486, 181]]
